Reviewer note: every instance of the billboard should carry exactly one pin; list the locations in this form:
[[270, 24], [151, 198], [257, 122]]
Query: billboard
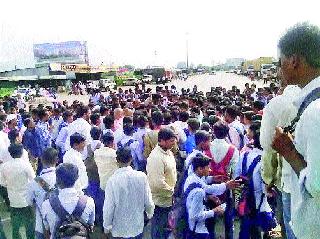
[[83, 68], [62, 52]]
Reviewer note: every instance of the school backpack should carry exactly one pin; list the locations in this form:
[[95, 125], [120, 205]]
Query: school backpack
[[247, 202], [178, 216], [70, 226]]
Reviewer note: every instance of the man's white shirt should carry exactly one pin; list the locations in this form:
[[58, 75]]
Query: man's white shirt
[[74, 157], [127, 197], [80, 126], [15, 175], [305, 214]]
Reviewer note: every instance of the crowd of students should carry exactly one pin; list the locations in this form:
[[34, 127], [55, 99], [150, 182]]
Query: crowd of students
[[181, 161]]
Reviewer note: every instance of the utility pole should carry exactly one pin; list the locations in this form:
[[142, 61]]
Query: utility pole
[[187, 48]]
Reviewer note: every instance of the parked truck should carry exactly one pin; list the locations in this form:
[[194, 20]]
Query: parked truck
[[257, 66]]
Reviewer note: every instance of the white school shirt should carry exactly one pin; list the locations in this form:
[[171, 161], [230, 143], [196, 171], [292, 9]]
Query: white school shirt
[[127, 197], [68, 198], [188, 163], [233, 133], [62, 138], [306, 196], [196, 209], [15, 175], [259, 186], [179, 127], [36, 194], [80, 126], [118, 136], [74, 157], [4, 146]]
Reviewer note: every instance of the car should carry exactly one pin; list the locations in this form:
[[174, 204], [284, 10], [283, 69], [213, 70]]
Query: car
[[147, 79], [104, 83], [131, 81]]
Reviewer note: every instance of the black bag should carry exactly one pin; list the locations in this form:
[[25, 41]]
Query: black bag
[[178, 217], [265, 220], [70, 226]]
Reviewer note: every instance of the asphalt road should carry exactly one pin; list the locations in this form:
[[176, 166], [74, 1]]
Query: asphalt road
[[204, 83]]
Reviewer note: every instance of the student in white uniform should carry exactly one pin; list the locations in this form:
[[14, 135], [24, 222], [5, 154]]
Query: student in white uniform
[[250, 161]]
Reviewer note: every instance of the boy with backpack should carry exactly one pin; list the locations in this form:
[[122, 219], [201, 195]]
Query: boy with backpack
[[194, 196], [178, 218], [42, 187], [129, 141], [236, 129], [68, 214], [202, 140]]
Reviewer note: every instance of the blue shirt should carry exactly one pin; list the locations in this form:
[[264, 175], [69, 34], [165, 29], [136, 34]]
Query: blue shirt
[[31, 142], [45, 137], [139, 136], [190, 144]]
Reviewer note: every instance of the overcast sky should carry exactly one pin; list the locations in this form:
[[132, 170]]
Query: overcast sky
[[132, 31]]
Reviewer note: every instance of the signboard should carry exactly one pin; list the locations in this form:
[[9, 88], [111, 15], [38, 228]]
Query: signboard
[[63, 52], [84, 68]]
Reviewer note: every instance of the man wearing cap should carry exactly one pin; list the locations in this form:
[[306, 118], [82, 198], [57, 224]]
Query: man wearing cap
[[11, 123]]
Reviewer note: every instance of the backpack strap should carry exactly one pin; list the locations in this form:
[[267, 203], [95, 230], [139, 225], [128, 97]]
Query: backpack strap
[[191, 187], [81, 205], [252, 166], [312, 96], [186, 194], [58, 208], [244, 163], [261, 201], [129, 143], [227, 158], [241, 136], [42, 183], [186, 131], [119, 145]]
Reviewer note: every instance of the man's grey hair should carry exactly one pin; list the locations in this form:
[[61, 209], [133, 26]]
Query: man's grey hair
[[303, 40]]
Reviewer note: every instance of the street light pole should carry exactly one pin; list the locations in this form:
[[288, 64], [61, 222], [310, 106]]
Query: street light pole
[[187, 48]]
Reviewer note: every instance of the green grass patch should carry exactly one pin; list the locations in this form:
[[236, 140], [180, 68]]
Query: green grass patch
[[6, 91]]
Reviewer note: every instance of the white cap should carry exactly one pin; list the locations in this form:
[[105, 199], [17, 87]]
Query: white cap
[[11, 117]]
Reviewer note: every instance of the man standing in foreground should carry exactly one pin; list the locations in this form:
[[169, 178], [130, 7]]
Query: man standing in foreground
[[300, 65], [162, 175], [124, 206]]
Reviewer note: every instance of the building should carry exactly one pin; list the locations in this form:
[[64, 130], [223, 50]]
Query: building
[[234, 62]]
